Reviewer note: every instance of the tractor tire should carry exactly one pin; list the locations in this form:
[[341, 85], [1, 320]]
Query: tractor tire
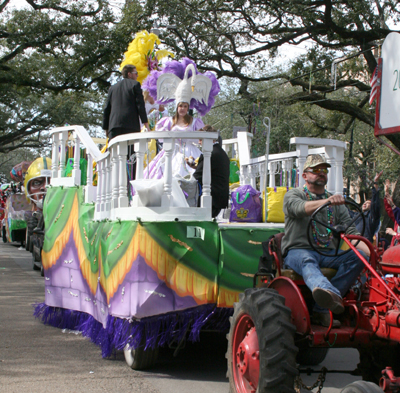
[[362, 387], [140, 359], [311, 356], [374, 360], [261, 350]]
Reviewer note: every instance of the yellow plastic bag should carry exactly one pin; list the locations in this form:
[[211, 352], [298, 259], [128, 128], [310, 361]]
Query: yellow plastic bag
[[274, 202]]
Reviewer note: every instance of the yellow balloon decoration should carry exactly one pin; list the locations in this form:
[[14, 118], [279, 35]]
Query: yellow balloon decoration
[[141, 54]]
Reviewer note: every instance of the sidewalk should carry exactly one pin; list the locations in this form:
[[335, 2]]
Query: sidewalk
[[38, 358]]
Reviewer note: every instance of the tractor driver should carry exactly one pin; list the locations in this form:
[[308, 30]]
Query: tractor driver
[[299, 204]]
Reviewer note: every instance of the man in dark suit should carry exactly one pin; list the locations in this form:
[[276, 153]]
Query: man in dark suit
[[219, 175], [124, 106]]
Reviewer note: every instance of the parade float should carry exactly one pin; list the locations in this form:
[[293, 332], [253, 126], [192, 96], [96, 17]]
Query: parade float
[[137, 272], [135, 277], [15, 206]]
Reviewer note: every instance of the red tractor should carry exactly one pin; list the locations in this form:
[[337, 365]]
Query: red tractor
[[271, 323]]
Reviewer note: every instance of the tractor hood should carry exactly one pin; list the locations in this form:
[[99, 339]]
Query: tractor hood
[[391, 260]]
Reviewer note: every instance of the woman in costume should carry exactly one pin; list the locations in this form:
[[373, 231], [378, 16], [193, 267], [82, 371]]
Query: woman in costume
[[180, 81], [181, 121]]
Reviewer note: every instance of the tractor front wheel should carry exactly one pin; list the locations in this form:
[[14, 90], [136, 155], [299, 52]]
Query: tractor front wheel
[[362, 387], [261, 351]]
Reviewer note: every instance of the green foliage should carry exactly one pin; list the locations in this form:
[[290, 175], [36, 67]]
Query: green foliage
[[57, 58]]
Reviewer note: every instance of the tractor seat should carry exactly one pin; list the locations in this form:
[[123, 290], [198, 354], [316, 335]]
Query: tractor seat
[[276, 250]]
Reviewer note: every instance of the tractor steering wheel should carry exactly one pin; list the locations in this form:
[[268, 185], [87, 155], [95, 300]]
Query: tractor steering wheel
[[335, 230]]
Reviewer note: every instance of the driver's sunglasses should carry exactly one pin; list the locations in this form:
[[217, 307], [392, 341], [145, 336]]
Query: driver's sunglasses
[[318, 170]]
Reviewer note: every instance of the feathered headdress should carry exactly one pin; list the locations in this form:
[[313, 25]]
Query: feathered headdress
[[181, 81], [142, 55]]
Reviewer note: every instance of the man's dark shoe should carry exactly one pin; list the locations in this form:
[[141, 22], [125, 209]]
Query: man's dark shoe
[[324, 319], [328, 299]]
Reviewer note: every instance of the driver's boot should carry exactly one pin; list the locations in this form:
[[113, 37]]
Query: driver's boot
[[328, 299]]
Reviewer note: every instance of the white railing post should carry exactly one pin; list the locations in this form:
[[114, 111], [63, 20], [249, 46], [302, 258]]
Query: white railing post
[[140, 149], [339, 170], [55, 156], [103, 175], [122, 152], [272, 166], [168, 146], [90, 194], [76, 172], [290, 169], [284, 173], [302, 153], [330, 154], [244, 145], [253, 175], [114, 177], [89, 173], [108, 185], [99, 166], [63, 139], [206, 192]]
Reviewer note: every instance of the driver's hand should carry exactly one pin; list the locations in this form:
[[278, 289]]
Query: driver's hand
[[390, 231], [337, 200]]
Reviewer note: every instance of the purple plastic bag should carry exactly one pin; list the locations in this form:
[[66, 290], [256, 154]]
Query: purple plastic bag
[[246, 205]]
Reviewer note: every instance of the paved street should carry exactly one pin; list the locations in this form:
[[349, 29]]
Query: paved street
[[38, 358]]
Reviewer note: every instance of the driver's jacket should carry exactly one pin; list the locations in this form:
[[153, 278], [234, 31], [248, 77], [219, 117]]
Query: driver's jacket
[[296, 221]]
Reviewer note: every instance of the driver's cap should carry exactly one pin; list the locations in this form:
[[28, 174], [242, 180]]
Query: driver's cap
[[314, 160]]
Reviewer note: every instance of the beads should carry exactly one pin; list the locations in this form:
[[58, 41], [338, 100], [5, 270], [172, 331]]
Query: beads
[[321, 239]]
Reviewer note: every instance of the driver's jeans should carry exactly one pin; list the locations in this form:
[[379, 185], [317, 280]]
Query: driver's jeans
[[307, 263]]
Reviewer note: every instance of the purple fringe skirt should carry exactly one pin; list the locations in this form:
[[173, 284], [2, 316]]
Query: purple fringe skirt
[[159, 330]]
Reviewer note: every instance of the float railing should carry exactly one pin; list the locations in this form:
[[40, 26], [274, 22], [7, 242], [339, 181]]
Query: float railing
[[282, 165], [112, 198], [77, 135]]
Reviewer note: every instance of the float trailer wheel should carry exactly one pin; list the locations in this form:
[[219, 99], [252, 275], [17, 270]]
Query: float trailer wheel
[[140, 359]]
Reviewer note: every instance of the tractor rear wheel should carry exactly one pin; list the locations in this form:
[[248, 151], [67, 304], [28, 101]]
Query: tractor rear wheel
[[261, 351]]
